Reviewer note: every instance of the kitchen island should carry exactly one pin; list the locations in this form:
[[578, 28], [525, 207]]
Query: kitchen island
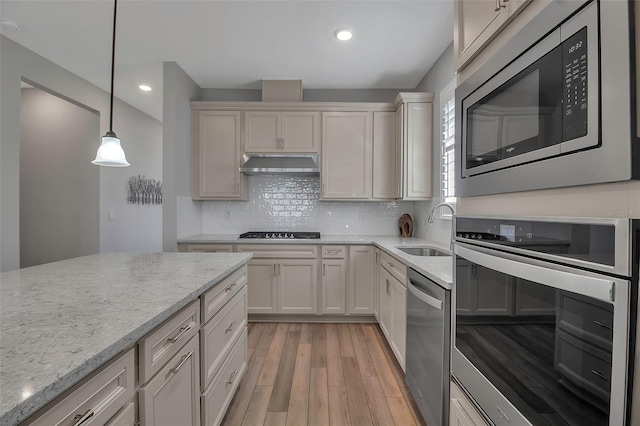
[[60, 322]]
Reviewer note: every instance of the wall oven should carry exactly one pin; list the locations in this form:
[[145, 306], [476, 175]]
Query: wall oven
[[545, 319], [556, 112]]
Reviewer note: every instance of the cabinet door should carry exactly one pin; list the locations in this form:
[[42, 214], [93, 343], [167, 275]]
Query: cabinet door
[[261, 131], [297, 282], [300, 131], [385, 163], [262, 288], [492, 292], [172, 397], [360, 294], [385, 302], [462, 412], [334, 286], [418, 150], [476, 22], [399, 321], [376, 284], [217, 156], [346, 155]]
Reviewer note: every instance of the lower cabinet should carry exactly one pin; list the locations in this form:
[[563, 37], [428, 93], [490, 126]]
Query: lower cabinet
[[376, 283], [334, 285], [172, 397], [386, 305], [360, 286], [393, 314], [205, 248], [462, 412]]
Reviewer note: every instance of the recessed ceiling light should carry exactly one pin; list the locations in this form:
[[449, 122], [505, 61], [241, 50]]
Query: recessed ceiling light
[[144, 88], [343, 34], [10, 25]]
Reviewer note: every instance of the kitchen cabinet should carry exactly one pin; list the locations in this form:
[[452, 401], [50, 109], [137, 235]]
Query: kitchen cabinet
[[376, 283], [282, 278], [360, 287], [386, 156], [393, 305], [415, 112], [333, 279], [346, 155], [172, 397], [216, 155], [386, 304], [398, 340], [477, 22], [286, 132], [205, 248], [493, 292], [462, 411]]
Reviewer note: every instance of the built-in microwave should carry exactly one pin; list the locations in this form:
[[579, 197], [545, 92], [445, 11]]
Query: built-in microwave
[[554, 106]]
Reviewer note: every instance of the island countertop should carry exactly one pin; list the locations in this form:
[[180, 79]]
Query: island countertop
[[61, 321]]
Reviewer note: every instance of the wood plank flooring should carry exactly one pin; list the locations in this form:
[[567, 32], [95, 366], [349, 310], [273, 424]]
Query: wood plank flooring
[[321, 374]]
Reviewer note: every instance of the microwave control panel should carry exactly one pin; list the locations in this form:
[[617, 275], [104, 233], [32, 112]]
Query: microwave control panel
[[574, 58]]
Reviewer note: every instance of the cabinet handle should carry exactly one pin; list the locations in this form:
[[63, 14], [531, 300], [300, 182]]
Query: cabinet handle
[[233, 324], [183, 330], [499, 6], [333, 251], [377, 258], [235, 283], [233, 373], [182, 361], [279, 268], [274, 269], [599, 374], [81, 418], [324, 269], [387, 281], [603, 325]]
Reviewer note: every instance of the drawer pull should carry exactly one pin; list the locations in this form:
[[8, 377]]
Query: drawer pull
[[235, 283], [602, 376], [183, 330], [182, 361], [334, 251], [233, 324], [603, 325], [81, 418], [233, 374]]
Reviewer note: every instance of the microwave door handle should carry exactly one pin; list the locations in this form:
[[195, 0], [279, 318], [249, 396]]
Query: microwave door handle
[[598, 288], [429, 300]]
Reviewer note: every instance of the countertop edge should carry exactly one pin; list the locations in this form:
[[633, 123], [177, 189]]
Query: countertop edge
[[47, 395]]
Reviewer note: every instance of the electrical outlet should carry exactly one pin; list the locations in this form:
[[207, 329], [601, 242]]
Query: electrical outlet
[[227, 215]]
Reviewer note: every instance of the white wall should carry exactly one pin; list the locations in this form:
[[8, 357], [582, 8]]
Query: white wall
[[59, 188], [291, 203], [16, 63]]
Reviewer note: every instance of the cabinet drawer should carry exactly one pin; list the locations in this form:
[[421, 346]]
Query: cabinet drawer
[[172, 397], [333, 252], [100, 397], [586, 319], [125, 417], [206, 248], [218, 335], [160, 345], [462, 412], [278, 250], [584, 365], [215, 298], [218, 395], [395, 267]]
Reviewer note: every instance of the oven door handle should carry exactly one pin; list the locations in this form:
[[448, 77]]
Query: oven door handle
[[429, 300], [581, 283]]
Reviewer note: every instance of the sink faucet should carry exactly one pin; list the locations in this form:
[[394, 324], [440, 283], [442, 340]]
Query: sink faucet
[[432, 217]]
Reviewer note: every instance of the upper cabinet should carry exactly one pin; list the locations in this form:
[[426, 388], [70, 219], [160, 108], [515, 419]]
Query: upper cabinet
[[216, 153], [415, 117], [346, 155], [387, 146], [277, 131], [477, 22]]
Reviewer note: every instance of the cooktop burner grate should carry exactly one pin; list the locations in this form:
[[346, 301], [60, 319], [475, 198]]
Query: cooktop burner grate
[[286, 235]]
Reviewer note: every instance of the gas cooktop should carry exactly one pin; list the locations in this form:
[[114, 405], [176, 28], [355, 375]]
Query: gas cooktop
[[287, 235]]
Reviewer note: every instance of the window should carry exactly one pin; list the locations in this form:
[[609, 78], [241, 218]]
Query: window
[[447, 103]]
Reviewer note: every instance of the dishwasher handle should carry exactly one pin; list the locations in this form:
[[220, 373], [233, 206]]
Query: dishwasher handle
[[429, 300]]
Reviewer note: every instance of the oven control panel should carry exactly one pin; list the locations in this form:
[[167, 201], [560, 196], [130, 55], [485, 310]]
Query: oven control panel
[[574, 58]]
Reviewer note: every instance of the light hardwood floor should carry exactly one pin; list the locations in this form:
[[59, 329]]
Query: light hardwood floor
[[321, 374]]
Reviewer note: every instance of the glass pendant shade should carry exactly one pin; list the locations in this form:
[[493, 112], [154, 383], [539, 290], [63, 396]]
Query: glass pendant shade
[[110, 152]]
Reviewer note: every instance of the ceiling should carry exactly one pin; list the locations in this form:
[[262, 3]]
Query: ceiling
[[235, 44]]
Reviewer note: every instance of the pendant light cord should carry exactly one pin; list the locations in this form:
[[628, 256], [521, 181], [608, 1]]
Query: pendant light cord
[[113, 64]]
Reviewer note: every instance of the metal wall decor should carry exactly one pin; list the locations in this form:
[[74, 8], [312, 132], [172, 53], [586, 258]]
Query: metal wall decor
[[141, 190]]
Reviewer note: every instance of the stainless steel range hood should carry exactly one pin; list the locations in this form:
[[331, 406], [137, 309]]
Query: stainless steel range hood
[[280, 164]]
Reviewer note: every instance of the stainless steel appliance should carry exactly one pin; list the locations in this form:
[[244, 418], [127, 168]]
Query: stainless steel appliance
[[429, 347], [545, 318], [281, 235], [560, 114]]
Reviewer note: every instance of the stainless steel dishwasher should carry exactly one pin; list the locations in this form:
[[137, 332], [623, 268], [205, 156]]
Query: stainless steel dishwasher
[[428, 365]]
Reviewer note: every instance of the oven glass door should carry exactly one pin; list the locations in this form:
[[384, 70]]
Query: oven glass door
[[547, 349]]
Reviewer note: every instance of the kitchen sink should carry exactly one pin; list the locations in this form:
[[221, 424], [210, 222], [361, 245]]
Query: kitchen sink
[[423, 251]]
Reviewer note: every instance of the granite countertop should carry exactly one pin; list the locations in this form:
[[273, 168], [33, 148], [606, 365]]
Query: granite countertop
[[437, 268], [61, 321]]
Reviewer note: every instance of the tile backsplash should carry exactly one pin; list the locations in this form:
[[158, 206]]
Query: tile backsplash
[[292, 203]]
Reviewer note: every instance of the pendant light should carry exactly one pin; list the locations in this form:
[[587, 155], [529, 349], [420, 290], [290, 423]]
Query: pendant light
[[110, 152]]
